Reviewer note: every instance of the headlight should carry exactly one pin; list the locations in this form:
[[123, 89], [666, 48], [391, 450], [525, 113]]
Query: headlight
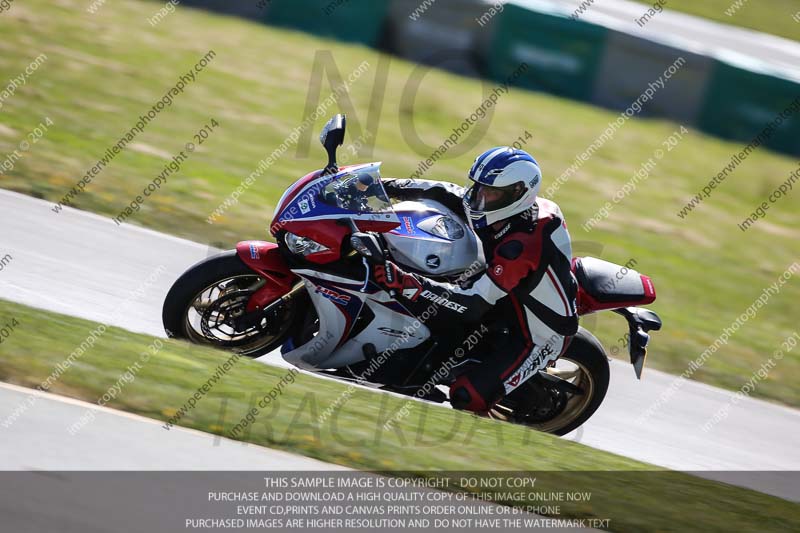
[[303, 245], [447, 228]]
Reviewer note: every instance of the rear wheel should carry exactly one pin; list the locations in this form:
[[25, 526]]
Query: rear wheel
[[542, 405], [207, 305]]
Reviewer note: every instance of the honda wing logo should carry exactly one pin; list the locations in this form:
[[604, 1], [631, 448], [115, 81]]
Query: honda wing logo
[[433, 261]]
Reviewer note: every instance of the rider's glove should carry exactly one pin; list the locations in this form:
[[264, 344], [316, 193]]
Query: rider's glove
[[396, 280]]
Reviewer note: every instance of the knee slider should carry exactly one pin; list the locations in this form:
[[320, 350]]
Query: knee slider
[[464, 396], [460, 398]]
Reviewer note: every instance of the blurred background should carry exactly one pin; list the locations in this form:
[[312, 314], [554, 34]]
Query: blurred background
[[409, 72]]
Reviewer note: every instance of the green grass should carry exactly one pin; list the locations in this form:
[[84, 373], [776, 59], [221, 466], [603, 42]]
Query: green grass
[[433, 439], [104, 70], [769, 16]]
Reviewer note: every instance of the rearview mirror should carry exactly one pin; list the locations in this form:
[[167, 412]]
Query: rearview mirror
[[333, 129], [332, 137]]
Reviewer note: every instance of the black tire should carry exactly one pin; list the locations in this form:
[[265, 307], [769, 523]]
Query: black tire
[[587, 352], [194, 281]]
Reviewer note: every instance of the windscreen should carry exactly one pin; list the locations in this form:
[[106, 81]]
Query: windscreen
[[359, 191]]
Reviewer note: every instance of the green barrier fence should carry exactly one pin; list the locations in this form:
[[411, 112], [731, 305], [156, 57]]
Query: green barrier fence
[[574, 59], [562, 54], [741, 103], [359, 21]]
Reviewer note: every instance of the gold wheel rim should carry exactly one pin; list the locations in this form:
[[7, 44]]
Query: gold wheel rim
[[203, 299], [576, 404]]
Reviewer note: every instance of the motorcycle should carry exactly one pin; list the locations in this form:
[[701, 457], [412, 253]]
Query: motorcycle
[[310, 294]]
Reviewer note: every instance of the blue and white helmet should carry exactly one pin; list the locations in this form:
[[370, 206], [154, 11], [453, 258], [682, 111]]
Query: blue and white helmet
[[506, 182]]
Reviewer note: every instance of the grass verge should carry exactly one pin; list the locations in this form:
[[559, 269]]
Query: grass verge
[[633, 495]]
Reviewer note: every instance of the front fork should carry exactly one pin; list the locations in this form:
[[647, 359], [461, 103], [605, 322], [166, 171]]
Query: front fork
[[271, 311]]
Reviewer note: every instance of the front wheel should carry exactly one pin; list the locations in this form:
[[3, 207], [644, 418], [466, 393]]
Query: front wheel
[[207, 305], [554, 409]]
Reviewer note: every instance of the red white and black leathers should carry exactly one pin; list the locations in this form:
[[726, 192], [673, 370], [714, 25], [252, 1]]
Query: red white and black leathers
[[527, 286]]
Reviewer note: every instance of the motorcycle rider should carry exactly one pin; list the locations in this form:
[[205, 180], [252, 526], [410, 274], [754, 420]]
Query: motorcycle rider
[[527, 287]]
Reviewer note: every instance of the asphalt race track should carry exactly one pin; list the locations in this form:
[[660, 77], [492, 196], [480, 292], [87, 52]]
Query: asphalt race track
[[82, 264], [699, 35], [114, 440]]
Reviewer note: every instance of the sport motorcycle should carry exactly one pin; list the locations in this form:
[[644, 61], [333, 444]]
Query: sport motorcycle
[[310, 293]]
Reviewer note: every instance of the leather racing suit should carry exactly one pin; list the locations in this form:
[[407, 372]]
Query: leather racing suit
[[527, 286]]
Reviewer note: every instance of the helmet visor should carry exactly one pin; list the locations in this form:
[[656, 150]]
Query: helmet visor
[[487, 198]]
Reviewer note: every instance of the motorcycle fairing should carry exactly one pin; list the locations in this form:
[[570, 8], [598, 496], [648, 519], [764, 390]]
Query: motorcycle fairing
[[302, 202], [414, 245], [339, 303], [410, 225], [265, 259]]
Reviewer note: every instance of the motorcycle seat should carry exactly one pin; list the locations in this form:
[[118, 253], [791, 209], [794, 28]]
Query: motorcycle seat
[[607, 282]]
